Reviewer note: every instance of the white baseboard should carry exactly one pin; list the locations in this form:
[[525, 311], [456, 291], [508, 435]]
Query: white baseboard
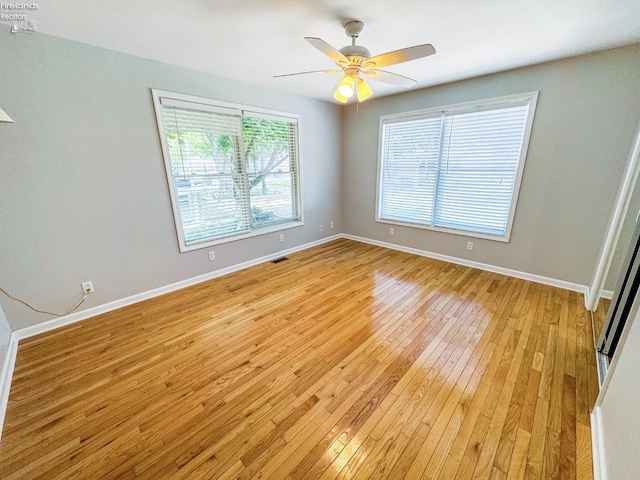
[[575, 287], [591, 303], [597, 445], [107, 307], [606, 294], [588, 300], [6, 374], [8, 365]]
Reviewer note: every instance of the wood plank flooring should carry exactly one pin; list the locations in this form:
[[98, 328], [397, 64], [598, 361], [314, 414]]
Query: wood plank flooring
[[345, 361]]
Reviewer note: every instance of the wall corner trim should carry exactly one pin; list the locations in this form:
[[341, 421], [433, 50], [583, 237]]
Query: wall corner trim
[[597, 445], [6, 374]]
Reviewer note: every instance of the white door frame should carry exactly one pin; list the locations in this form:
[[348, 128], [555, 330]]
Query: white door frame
[[620, 208]]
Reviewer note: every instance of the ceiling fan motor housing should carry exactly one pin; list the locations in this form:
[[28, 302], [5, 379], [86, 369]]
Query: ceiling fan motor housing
[[355, 51]]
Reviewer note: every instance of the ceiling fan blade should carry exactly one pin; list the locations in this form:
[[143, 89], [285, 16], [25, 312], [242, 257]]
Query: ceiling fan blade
[[392, 78], [304, 73], [328, 50], [399, 56]]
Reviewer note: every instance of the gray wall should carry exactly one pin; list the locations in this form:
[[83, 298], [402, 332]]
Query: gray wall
[[84, 194], [587, 112]]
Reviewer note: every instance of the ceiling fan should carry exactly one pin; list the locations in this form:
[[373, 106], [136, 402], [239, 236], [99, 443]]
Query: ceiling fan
[[355, 60]]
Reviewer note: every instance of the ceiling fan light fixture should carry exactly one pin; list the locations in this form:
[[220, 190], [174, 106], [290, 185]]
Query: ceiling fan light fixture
[[363, 90], [339, 97], [356, 60], [345, 86]]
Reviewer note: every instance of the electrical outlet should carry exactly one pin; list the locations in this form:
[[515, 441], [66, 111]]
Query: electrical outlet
[[320, 227], [330, 224], [392, 231], [87, 288], [212, 256], [281, 237], [469, 245]]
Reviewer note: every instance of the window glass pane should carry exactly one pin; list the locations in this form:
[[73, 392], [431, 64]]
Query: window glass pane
[[409, 170], [205, 160], [271, 199], [458, 170], [231, 171], [271, 158], [480, 155]]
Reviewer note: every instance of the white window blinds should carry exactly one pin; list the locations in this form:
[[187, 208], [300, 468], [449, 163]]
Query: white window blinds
[[271, 151], [206, 168], [231, 173], [410, 152], [456, 170]]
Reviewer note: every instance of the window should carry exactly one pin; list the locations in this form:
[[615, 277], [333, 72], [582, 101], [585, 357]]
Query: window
[[455, 169], [232, 172]]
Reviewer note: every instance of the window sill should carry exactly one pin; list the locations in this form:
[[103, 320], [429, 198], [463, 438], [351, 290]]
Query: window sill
[[233, 238], [465, 233]]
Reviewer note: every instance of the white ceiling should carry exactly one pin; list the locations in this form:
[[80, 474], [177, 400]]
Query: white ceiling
[[253, 40]]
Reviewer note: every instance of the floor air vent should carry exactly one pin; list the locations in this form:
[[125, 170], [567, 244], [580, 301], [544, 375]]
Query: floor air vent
[[278, 260]]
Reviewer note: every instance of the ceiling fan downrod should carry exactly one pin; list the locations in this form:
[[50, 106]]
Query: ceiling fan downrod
[[355, 53]]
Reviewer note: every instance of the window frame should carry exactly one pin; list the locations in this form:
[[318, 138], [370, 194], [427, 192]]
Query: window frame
[[220, 105], [465, 107]]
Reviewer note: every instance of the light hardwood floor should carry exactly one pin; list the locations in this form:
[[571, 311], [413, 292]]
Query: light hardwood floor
[[345, 361]]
